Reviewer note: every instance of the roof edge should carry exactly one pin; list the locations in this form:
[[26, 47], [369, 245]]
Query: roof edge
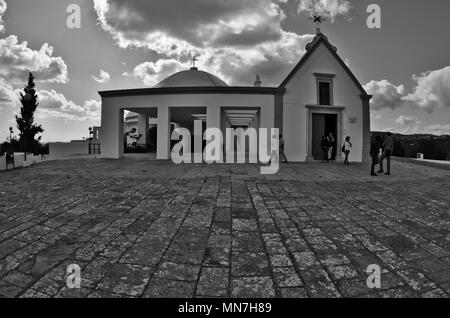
[[195, 90], [308, 54]]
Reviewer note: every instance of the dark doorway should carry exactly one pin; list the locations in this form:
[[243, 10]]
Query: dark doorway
[[323, 124]]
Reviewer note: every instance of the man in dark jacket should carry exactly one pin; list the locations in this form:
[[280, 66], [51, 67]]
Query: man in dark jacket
[[374, 152]]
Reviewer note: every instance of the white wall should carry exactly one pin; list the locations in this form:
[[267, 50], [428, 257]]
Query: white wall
[[302, 91]]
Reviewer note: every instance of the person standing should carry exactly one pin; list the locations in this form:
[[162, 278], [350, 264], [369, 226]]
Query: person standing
[[346, 148], [325, 145], [332, 143], [283, 157], [388, 148], [374, 152]]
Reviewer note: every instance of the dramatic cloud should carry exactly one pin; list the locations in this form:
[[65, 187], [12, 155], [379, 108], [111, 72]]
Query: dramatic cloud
[[407, 120], [234, 39], [3, 7], [385, 94], [17, 59], [432, 90], [103, 78], [8, 96], [56, 106], [152, 73], [162, 24], [330, 9]]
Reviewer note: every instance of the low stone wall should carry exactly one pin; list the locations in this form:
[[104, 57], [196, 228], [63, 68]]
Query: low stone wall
[[433, 164], [19, 161], [60, 150]]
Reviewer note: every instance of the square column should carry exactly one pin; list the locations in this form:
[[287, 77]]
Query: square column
[[213, 117], [366, 128], [214, 120], [111, 136], [143, 128], [163, 145], [267, 120]]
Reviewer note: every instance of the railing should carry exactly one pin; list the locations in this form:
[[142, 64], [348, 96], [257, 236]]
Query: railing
[[94, 149]]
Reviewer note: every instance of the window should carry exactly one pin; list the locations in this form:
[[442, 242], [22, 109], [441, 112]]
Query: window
[[324, 89], [324, 93]]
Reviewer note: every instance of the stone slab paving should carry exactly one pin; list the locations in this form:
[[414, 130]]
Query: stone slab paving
[[142, 228]]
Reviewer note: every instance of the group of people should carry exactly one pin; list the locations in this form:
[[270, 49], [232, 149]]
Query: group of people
[[328, 143], [386, 147]]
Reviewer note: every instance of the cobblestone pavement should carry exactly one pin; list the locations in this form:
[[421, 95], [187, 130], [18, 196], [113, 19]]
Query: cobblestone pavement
[[140, 228]]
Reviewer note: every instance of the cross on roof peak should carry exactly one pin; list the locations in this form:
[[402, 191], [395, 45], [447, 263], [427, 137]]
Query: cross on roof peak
[[318, 19]]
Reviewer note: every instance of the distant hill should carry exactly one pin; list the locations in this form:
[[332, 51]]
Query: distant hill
[[432, 146]]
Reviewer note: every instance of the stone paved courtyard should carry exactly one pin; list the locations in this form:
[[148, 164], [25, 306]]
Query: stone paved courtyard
[[141, 228]]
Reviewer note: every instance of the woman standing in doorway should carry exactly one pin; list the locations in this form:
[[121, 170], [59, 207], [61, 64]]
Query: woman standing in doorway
[[325, 145], [332, 144], [346, 148]]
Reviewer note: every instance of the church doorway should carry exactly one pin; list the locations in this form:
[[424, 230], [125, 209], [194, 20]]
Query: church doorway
[[323, 124]]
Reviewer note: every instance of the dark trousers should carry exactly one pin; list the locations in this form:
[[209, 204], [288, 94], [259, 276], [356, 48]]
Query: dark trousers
[[386, 155], [283, 157], [374, 163], [325, 154], [347, 153]]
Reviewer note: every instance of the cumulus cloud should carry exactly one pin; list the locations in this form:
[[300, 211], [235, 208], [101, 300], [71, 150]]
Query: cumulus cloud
[[152, 73], [385, 94], [103, 78], [198, 23], [234, 39], [330, 9], [56, 106], [407, 120], [432, 90], [3, 7], [17, 59], [8, 96]]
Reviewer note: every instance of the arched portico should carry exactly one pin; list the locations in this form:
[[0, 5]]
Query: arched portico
[[164, 101]]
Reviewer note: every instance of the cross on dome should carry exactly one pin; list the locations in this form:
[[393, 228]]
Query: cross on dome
[[194, 59]]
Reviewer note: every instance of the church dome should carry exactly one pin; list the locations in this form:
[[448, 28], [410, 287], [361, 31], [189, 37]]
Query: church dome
[[191, 78]]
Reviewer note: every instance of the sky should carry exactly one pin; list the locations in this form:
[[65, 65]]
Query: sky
[[123, 44]]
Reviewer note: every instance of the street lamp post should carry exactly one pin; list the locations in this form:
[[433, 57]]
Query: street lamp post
[[11, 131], [91, 133]]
